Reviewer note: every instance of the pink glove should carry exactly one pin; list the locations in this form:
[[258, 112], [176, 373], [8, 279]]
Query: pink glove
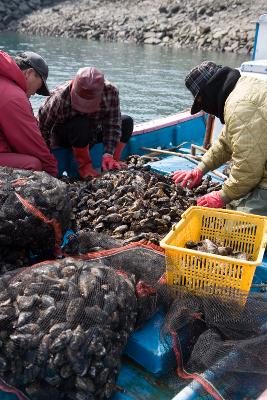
[[211, 200], [194, 176], [109, 163], [123, 165]]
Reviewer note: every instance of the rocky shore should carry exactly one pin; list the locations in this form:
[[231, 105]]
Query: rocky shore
[[207, 24]]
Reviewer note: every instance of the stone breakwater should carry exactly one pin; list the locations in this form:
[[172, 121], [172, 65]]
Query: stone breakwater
[[207, 24]]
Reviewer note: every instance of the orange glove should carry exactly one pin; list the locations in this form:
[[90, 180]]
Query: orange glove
[[194, 176], [85, 166]]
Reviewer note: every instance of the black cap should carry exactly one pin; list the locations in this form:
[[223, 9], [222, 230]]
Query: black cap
[[39, 65]]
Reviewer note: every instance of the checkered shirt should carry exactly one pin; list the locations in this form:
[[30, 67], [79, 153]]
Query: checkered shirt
[[57, 109]]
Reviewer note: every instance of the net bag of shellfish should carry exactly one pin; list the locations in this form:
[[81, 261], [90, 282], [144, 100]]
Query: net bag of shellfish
[[32, 202], [220, 345], [144, 261], [12, 258], [85, 241], [63, 327]]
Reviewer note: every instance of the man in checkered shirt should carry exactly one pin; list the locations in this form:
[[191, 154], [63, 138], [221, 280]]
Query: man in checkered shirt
[[82, 112]]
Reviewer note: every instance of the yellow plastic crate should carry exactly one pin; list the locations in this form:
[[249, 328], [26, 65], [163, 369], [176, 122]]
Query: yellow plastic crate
[[206, 273]]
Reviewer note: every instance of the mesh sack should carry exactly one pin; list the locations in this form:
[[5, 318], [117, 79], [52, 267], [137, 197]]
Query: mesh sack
[[145, 262], [32, 202], [227, 358], [86, 240], [13, 258], [63, 326]]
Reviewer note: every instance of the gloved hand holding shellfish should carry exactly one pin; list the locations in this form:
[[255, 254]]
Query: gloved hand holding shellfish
[[109, 163], [191, 179]]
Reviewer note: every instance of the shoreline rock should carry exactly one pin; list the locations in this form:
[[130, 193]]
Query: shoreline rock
[[195, 24]]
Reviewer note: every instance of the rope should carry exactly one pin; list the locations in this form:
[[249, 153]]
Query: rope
[[182, 373], [53, 222], [9, 389]]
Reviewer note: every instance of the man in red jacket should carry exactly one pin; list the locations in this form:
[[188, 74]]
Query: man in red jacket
[[21, 143]]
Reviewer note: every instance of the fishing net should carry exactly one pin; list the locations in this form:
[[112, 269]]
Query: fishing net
[[226, 356], [143, 261], [63, 327], [35, 212]]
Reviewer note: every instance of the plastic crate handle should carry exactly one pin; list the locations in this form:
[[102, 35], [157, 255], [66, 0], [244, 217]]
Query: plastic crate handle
[[223, 211]]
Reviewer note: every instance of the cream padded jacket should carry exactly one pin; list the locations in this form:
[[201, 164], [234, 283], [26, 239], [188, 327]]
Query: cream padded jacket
[[243, 139]]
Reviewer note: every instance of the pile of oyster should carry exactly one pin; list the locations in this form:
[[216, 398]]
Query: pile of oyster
[[213, 247], [63, 326], [132, 204]]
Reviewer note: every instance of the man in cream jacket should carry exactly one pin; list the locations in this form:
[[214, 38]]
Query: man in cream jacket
[[241, 105]]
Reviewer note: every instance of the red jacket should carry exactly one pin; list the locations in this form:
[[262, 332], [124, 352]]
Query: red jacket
[[19, 131]]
